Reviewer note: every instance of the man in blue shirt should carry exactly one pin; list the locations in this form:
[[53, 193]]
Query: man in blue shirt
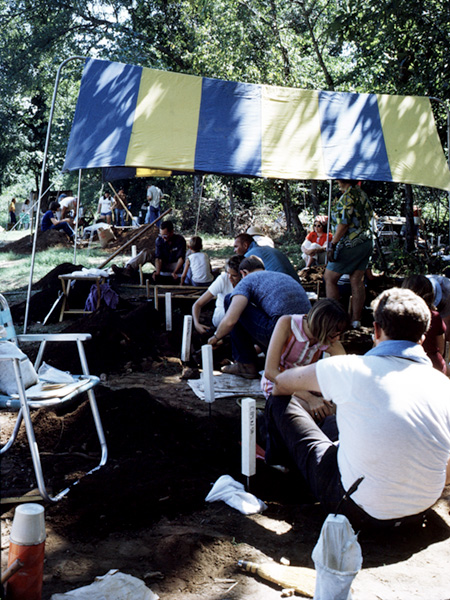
[[273, 259], [49, 221], [252, 310]]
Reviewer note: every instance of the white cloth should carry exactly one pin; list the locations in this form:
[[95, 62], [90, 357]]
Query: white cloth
[[393, 417], [233, 493], [112, 586], [219, 288], [200, 267]]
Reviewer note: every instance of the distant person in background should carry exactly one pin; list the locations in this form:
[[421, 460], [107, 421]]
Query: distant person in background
[[12, 213], [197, 268], [118, 206], [259, 237], [434, 342], [154, 195], [315, 246], [50, 221], [273, 259], [104, 207], [25, 214]]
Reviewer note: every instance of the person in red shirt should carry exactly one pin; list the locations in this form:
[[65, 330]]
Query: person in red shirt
[[314, 247], [434, 342]]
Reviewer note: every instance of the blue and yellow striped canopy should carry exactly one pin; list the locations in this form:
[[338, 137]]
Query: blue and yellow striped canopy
[[128, 116]]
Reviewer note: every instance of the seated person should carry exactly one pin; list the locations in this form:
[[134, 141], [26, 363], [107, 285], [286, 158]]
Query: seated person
[[197, 268], [434, 342], [252, 310], [441, 288], [273, 259], [314, 247], [301, 340], [394, 435], [49, 221], [169, 254], [218, 289]]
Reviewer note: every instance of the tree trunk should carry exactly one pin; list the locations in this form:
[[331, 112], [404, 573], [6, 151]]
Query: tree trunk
[[314, 197], [292, 220], [409, 215]]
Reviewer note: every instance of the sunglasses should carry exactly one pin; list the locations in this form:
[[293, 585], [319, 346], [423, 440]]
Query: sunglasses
[[318, 224]]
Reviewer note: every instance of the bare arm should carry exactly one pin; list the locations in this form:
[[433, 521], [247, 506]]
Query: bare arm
[[197, 309], [158, 264], [277, 341], [178, 266], [296, 379], [236, 308], [185, 270]]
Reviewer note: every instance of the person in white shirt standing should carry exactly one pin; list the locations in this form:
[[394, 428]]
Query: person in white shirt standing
[[154, 195]]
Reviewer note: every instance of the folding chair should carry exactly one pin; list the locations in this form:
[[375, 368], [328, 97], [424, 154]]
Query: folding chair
[[25, 401]]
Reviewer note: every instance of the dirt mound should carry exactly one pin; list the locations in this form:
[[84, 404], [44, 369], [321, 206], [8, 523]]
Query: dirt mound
[[145, 240], [45, 239]]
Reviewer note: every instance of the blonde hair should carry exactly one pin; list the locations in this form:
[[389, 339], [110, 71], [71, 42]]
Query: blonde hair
[[325, 318]]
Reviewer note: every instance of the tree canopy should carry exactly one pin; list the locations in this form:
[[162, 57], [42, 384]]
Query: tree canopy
[[390, 46]]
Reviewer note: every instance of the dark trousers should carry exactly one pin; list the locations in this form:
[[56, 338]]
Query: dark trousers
[[294, 439], [254, 327]]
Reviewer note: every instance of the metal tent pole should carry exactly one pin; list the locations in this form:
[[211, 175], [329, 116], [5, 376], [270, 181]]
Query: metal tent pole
[[41, 186], [77, 216]]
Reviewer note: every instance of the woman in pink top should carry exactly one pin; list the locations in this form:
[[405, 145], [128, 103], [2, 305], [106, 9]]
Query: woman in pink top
[[300, 340]]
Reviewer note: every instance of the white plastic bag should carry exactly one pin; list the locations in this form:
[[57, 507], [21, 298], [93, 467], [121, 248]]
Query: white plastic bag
[[233, 493], [8, 383], [53, 375], [337, 557]]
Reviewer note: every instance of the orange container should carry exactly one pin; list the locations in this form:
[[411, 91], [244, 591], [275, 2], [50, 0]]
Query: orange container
[[26, 584]]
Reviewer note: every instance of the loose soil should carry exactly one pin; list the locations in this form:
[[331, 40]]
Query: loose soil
[[145, 514]]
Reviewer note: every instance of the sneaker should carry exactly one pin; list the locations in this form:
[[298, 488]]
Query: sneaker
[[245, 370]]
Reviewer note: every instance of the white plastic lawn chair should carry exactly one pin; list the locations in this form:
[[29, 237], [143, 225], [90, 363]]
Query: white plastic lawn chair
[[25, 400]]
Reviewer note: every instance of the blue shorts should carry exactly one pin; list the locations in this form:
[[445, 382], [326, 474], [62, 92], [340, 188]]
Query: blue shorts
[[353, 259]]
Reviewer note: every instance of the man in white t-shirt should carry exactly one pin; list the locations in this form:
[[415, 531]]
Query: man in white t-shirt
[[393, 417], [154, 195]]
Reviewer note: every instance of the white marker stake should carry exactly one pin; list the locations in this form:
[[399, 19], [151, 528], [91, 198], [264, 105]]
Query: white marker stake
[[208, 376], [133, 251], [168, 297], [186, 341], [248, 437]]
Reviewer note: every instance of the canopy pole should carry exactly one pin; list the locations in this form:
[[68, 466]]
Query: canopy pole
[[77, 215], [444, 104], [41, 186], [330, 194]]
